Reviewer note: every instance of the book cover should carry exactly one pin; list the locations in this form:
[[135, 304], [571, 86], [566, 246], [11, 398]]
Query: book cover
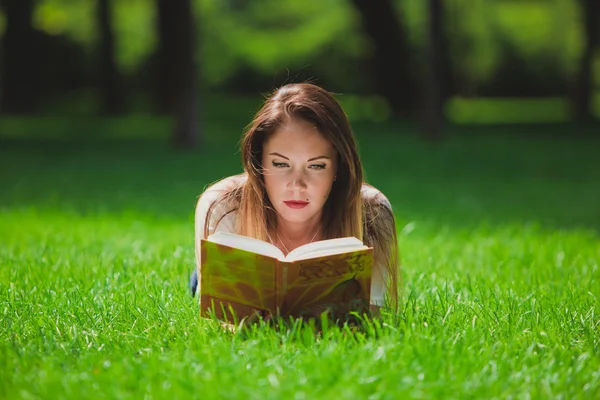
[[235, 283]]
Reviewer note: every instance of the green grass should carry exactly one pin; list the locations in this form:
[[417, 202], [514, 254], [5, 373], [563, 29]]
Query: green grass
[[499, 235]]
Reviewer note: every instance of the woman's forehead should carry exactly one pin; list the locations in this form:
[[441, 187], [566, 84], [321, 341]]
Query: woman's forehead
[[297, 130], [298, 138]]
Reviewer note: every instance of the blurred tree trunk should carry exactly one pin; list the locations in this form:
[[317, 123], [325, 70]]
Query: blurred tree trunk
[[584, 84], [165, 90], [20, 90], [435, 90], [112, 96], [448, 72], [176, 83], [391, 53]]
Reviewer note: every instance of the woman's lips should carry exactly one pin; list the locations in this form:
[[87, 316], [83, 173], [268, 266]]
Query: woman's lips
[[296, 204]]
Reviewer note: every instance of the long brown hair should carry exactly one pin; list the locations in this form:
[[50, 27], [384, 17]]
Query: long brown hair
[[343, 210]]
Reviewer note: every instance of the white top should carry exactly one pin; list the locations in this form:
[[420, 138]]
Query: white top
[[223, 219]]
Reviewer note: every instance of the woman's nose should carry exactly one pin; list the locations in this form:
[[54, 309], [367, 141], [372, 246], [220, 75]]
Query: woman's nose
[[297, 180]]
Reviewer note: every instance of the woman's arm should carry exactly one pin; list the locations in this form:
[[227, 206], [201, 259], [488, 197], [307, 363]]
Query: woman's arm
[[381, 231], [202, 207], [212, 214], [202, 229]]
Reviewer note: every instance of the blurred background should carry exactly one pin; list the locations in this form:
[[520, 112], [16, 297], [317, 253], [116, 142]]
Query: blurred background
[[463, 108], [478, 119], [427, 61]]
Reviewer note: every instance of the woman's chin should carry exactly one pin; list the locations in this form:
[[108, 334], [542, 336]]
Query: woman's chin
[[294, 220], [295, 216]]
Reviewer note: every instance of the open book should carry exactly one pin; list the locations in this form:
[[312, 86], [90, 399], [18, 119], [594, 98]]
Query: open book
[[240, 276]]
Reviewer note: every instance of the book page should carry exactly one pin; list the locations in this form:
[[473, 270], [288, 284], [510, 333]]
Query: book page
[[340, 282], [325, 248], [246, 243], [237, 277]]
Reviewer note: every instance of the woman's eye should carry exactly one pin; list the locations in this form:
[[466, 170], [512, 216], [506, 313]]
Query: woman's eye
[[280, 164], [317, 166]]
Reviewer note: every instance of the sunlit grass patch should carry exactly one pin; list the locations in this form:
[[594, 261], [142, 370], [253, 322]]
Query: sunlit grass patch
[[500, 254]]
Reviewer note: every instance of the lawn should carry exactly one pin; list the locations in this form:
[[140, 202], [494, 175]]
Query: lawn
[[499, 232]]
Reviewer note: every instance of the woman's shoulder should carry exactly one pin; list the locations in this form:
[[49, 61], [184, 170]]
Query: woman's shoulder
[[219, 191], [220, 187], [374, 198], [216, 205], [226, 184]]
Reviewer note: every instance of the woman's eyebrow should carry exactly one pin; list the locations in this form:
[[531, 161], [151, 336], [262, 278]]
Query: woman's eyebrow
[[316, 158], [279, 155], [309, 160]]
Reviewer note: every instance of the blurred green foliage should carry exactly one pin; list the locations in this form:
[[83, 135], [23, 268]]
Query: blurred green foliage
[[2, 22], [266, 35], [514, 110], [322, 41], [269, 36]]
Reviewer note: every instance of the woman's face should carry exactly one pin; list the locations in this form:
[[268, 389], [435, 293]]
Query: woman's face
[[299, 168]]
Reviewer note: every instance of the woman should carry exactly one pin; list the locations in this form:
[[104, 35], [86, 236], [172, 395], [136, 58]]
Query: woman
[[303, 182]]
